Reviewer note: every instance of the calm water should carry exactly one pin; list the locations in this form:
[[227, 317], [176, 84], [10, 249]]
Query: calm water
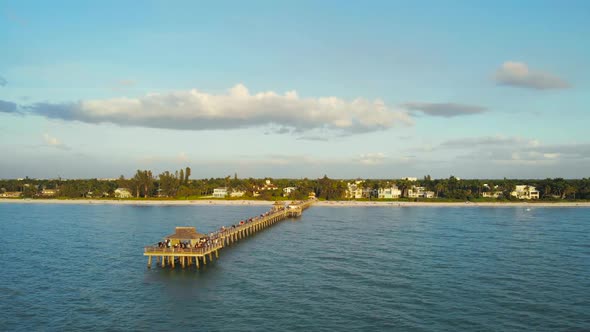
[[69, 267]]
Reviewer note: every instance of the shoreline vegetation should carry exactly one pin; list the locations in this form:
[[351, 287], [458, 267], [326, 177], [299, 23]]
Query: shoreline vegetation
[[178, 188], [243, 202]]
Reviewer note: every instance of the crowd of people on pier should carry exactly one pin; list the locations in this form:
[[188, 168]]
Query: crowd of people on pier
[[205, 242], [213, 238], [245, 221]]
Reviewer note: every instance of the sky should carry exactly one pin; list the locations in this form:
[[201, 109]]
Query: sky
[[371, 89]]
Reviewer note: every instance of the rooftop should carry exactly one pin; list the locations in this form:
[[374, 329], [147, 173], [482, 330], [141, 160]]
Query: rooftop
[[185, 233]]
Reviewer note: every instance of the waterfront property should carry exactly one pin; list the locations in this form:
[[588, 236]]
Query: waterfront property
[[420, 192], [288, 190], [355, 190], [237, 193], [11, 194], [491, 194], [186, 246], [122, 193], [220, 192], [49, 192], [389, 193], [524, 191]]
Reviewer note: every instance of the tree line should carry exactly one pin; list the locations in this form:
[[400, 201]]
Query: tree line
[[177, 184]]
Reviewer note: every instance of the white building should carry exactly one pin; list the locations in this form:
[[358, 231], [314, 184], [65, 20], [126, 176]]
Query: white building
[[355, 190], [390, 192], [288, 190], [48, 192], [410, 179], [237, 193], [420, 192], [268, 185], [219, 192], [123, 193], [523, 191], [11, 194], [491, 192]]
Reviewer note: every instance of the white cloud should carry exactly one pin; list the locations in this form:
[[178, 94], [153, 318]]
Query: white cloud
[[54, 142], [197, 110], [518, 74], [372, 158]]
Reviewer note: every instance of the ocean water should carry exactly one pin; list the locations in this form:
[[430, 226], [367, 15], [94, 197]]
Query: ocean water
[[80, 267]]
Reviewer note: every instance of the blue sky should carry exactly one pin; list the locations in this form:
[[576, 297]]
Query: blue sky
[[388, 89]]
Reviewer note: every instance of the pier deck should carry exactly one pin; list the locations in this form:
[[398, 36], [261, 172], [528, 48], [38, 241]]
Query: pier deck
[[203, 246]]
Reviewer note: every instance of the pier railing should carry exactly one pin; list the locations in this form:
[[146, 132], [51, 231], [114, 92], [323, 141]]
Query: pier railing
[[225, 236], [182, 251]]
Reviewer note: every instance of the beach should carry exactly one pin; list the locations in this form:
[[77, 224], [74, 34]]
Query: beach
[[318, 203]]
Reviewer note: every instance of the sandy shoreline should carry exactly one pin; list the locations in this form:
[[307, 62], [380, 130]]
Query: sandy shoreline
[[319, 203]]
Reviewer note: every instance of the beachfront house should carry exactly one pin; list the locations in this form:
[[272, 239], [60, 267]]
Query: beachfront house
[[11, 194], [48, 192], [389, 192], [220, 192], [237, 193], [288, 190], [123, 193], [268, 185], [490, 192], [354, 190], [420, 192], [523, 191]]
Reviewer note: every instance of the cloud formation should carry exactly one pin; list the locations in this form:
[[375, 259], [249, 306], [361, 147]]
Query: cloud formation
[[372, 158], [487, 141], [502, 150], [8, 107], [518, 74], [196, 110], [54, 142], [3, 81], [446, 110]]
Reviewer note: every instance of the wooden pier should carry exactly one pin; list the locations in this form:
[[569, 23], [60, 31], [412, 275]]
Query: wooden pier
[[187, 247]]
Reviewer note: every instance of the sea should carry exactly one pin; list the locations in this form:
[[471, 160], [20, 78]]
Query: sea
[[81, 268]]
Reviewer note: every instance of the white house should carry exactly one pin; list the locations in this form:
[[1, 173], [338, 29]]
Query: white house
[[523, 191], [288, 190], [268, 185], [491, 192], [390, 192], [48, 192], [420, 192], [237, 193], [355, 190], [11, 194], [123, 193], [410, 179], [219, 192]]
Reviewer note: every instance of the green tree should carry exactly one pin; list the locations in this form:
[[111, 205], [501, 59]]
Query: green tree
[[187, 174]]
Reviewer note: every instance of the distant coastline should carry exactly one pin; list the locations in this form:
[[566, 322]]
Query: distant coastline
[[214, 202]]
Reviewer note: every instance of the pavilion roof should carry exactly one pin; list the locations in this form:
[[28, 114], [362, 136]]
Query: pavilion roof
[[185, 233]]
